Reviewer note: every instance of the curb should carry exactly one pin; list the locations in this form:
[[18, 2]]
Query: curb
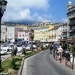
[[20, 70]]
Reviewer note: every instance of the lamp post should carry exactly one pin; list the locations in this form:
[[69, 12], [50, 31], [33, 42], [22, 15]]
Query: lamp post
[[3, 4]]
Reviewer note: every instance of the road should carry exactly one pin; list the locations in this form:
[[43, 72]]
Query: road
[[44, 64], [4, 57]]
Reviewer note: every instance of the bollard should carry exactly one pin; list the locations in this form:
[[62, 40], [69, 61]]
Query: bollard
[[73, 62], [65, 62], [60, 57], [54, 53]]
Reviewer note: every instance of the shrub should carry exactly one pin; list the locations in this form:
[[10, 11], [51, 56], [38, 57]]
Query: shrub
[[12, 53], [12, 63], [72, 48]]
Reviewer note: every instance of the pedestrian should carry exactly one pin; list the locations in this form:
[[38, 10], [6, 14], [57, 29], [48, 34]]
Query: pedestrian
[[51, 49], [15, 50], [55, 47], [23, 49], [60, 50]]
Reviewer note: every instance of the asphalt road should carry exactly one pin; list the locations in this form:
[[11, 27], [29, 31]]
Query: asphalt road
[[4, 57], [44, 64]]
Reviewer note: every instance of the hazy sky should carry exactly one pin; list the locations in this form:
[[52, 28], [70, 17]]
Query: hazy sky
[[37, 10]]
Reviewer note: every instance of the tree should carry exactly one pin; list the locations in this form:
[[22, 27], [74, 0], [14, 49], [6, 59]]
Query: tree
[[72, 48]]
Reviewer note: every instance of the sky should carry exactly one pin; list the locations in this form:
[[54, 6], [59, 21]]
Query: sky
[[37, 10]]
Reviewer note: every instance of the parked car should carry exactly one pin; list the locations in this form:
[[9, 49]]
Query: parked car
[[7, 47], [19, 47], [3, 51], [34, 46], [27, 47]]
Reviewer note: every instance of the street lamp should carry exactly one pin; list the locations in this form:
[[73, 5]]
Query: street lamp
[[3, 4]]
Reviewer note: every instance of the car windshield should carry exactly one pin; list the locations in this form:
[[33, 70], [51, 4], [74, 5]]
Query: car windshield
[[18, 45], [11, 45], [2, 49]]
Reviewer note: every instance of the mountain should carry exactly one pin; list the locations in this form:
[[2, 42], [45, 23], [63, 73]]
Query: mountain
[[22, 22], [26, 21]]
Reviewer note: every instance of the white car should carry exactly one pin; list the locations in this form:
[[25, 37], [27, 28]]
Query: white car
[[3, 51], [19, 47], [4, 47], [27, 47], [34, 46], [7, 47]]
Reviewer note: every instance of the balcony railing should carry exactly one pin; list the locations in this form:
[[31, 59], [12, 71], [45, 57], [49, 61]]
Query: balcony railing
[[71, 16], [72, 30]]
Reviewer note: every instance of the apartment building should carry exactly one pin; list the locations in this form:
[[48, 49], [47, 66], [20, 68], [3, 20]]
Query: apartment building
[[71, 21], [10, 32], [3, 32], [42, 32], [23, 35]]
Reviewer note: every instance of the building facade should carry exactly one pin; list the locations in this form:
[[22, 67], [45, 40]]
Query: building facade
[[42, 32], [71, 21], [3, 32], [10, 32], [23, 35]]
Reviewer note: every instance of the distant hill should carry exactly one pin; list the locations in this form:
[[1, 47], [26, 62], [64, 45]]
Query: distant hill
[[21, 22]]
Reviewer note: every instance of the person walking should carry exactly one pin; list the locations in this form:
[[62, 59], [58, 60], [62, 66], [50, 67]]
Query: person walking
[[15, 50], [51, 49], [60, 50], [23, 49], [55, 47]]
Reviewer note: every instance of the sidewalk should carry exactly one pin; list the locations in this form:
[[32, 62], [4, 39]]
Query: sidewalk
[[69, 64]]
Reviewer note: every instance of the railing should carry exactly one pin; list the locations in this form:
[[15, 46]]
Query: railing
[[68, 56]]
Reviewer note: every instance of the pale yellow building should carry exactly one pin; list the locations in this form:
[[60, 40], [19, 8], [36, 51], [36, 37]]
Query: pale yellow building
[[53, 34], [42, 32]]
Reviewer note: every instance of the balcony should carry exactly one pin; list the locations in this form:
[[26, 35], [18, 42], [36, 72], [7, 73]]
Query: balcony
[[64, 31], [71, 16], [72, 24], [73, 30]]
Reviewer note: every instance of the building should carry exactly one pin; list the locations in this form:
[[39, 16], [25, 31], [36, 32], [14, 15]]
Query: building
[[23, 35], [71, 22], [3, 32], [27, 35], [10, 32], [19, 27], [53, 34], [64, 33], [41, 32]]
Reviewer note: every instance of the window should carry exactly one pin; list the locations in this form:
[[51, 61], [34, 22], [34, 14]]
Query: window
[[23, 35], [20, 35]]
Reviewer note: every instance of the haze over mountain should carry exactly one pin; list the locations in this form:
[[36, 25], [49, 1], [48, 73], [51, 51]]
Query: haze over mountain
[[28, 22]]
